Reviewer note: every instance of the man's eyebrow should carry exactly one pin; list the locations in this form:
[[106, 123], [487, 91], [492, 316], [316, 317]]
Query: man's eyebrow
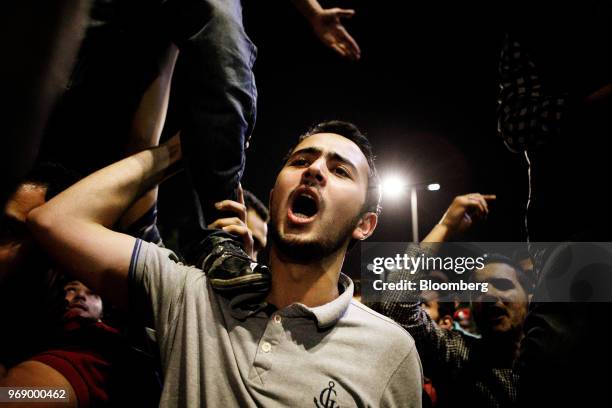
[[307, 151], [332, 155], [339, 158]]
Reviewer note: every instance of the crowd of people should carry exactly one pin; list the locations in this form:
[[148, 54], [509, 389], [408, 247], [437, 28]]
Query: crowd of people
[[255, 310]]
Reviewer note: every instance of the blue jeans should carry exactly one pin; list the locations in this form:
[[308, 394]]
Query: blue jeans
[[216, 89], [213, 92]]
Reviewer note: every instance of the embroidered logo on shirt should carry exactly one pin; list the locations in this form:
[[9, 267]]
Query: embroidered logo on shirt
[[326, 398]]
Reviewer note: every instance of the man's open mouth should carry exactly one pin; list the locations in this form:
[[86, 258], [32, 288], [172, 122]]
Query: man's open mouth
[[304, 207]]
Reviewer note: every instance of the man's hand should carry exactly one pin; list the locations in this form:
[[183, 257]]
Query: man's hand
[[461, 214], [231, 271], [327, 25], [464, 210], [236, 225]]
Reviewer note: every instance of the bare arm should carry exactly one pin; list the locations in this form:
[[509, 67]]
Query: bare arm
[[147, 127], [460, 216], [74, 227], [36, 374], [308, 8]]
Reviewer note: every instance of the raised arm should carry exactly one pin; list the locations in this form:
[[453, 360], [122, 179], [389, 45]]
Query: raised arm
[[459, 217], [437, 347], [74, 227], [147, 126]]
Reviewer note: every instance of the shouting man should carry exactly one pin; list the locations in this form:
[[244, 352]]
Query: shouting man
[[308, 344]]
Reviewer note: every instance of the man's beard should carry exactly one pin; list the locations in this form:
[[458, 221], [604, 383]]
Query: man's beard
[[303, 251]]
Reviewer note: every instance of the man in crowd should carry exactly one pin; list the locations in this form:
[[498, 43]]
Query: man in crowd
[[86, 359], [308, 343], [466, 370], [555, 105]]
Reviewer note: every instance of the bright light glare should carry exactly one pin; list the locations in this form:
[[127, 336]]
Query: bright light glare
[[433, 187], [393, 187]]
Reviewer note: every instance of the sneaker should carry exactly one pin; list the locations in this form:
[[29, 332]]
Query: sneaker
[[231, 272]]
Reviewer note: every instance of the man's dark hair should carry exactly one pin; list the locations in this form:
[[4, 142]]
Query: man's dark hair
[[254, 203], [352, 133], [55, 177]]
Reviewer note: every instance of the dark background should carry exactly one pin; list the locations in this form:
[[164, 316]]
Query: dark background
[[424, 90]]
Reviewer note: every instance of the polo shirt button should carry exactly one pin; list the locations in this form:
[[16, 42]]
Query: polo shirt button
[[266, 347], [277, 318]]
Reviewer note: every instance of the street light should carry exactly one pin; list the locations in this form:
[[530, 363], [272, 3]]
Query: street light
[[394, 187], [415, 215]]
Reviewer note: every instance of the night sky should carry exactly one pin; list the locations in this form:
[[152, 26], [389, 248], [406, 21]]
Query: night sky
[[424, 91]]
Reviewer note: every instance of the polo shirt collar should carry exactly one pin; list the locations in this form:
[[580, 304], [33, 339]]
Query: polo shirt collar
[[328, 314]]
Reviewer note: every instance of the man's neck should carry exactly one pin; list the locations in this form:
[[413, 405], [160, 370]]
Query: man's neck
[[312, 284]]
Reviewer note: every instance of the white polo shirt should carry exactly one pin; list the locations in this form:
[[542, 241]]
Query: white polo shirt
[[341, 354]]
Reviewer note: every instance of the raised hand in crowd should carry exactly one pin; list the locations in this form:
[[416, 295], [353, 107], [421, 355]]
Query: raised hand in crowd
[[327, 25], [460, 216]]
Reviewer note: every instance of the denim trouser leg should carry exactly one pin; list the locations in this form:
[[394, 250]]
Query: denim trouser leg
[[218, 95]]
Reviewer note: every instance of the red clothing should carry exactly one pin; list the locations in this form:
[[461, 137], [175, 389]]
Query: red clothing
[[86, 356]]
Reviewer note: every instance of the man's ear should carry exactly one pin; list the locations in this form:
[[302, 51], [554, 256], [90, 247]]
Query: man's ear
[[366, 226]]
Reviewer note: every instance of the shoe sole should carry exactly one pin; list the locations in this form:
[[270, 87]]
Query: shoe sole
[[233, 283]]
